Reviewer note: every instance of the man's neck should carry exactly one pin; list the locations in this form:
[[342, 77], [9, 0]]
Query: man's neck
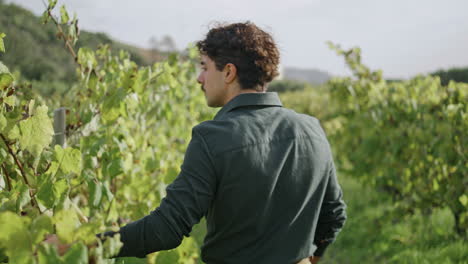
[[236, 91]]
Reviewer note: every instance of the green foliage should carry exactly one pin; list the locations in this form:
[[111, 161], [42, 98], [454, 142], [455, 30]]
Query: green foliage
[[6, 79], [2, 45], [312, 100], [403, 141], [69, 159], [287, 86], [36, 131], [404, 137], [33, 49], [15, 238], [127, 129], [64, 15]]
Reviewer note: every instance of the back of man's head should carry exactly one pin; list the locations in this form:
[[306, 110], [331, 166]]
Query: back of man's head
[[252, 50]]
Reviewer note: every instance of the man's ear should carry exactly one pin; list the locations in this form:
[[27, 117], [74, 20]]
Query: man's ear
[[230, 73]]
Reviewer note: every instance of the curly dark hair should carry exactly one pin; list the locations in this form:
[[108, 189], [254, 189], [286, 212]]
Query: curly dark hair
[[252, 50]]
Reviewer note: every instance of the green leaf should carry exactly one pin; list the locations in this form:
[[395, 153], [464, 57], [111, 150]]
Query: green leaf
[[36, 131], [112, 246], [45, 17], [463, 200], [3, 68], [53, 169], [50, 192], [113, 214], [114, 167], [171, 175], [87, 58], [3, 122], [3, 154], [193, 52], [95, 192], [66, 222], [106, 192], [61, 187], [10, 100], [41, 226], [31, 107], [46, 195], [6, 79], [23, 197], [111, 107], [132, 260], [77, 254], [188, 248], [86, 233], [15, 238], [435, 184], [47, 254], [64, 15], [168, 257], [2, 45], [52, 4], [69, 159]]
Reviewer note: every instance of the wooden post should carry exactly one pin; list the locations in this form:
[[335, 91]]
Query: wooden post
[[59, 127]]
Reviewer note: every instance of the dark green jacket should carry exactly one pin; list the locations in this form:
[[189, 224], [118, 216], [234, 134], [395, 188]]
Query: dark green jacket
[[262, 175]]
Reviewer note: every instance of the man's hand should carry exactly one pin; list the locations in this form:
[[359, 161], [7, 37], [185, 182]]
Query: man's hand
[[54, 240], [314, 259]]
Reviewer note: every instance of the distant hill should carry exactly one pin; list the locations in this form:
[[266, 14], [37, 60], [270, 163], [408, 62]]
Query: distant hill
[[311, 76], [33, 49]]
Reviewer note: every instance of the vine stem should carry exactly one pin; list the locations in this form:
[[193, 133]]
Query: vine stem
[[62, 34], [69, 46], [23, 174], [18, 163], [7, 177]]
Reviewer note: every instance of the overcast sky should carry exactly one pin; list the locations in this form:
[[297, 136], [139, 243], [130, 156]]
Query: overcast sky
[[401, 37]]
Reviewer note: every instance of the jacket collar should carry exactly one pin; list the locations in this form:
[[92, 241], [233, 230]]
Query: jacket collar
[[249, 99]]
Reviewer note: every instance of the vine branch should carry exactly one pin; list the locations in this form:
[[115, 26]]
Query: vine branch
[[62, 34], [23, 174], [18, 163], [7, 177]]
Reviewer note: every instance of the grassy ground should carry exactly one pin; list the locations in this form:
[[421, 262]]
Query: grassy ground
[[373, 234]]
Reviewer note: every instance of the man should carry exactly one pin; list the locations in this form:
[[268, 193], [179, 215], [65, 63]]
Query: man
[[262, 175]]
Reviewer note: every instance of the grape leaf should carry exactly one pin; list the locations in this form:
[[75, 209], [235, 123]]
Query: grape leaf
[[66, 222], [112, 246], [15, 238], [36, 131], [77, 254], [40, 226], [10, 100], [2, 45], [6, 79], [52, 4], [113, 105], [45, 17], [50, 192], [69, 159], [168, 257], [47, 254], [64, 17], [23, 197], [95, 192], [3, 122]]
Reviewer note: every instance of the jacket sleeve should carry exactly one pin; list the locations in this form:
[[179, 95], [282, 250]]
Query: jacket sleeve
[[332, 214], [188, 199]]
